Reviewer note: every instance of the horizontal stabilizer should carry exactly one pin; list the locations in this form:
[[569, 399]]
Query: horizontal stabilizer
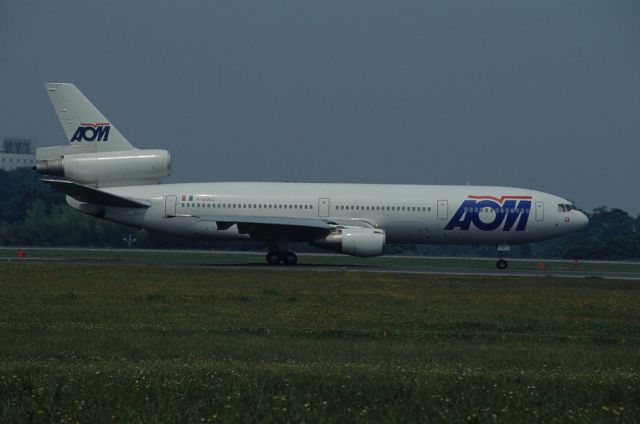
[[91, 195]]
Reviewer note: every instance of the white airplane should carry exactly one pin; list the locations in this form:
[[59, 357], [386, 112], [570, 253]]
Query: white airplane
[[107, 177]]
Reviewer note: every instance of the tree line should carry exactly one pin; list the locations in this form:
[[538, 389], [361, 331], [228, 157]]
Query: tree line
[[33, 214]]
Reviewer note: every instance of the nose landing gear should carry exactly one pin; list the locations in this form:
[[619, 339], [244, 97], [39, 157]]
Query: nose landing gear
[[501, 251]]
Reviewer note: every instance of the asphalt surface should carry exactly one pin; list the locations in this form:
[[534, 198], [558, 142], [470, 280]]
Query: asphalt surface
[[619, 275]]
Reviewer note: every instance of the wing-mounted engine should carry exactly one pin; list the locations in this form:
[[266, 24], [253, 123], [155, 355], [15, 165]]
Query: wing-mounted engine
[[110, 169], [355, 241]]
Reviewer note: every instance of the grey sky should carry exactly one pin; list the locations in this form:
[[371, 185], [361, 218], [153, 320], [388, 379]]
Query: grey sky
[[540, 94]]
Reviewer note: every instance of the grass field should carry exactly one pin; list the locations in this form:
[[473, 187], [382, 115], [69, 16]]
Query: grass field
[[131, 343], [220, 257]]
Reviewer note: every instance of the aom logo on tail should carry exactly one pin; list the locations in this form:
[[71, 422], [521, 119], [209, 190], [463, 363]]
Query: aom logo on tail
[[488, 213], [92, 132]]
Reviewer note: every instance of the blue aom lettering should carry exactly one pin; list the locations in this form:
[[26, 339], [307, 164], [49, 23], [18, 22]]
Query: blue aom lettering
[[509, 212], [92, 132]]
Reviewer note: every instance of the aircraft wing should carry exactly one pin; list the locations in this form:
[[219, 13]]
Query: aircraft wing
[[229, 220], [83, 193], [265, 227]]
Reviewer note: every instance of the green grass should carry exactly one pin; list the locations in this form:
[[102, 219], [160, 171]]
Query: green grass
[[340, 260], [130, 343]]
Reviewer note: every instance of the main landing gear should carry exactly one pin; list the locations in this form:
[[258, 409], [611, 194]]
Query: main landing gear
[[279, 253], [501, 264], [275, 257]]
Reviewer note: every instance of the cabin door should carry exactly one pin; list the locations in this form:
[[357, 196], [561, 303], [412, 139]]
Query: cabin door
[[323, 207], [443, 209], [170, 205], [539, 211]]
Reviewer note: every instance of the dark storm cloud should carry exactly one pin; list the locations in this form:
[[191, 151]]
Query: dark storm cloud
[[540, 94]]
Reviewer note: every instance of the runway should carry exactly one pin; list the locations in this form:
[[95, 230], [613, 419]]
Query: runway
[[609, 275]]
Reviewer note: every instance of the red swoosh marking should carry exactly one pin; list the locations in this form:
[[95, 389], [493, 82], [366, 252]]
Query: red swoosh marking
[[500, 199], [97, 124]]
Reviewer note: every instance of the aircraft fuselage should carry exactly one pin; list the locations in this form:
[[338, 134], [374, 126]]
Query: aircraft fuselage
[[407, 213]]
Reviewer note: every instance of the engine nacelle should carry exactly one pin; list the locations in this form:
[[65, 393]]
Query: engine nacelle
[[355, 241], [107, 169]]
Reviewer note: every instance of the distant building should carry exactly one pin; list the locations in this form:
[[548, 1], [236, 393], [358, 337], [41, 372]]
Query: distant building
[[16, 153]]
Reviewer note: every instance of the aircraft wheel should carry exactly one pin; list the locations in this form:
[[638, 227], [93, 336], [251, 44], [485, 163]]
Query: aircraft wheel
[[290, 258], [501, 264], [273, 258]]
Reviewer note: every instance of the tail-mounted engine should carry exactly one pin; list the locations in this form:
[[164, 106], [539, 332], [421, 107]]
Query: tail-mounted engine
[[108, 169]]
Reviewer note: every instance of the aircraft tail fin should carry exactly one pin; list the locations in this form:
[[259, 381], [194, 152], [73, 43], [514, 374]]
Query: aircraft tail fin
[[97, 154], [87, 129]]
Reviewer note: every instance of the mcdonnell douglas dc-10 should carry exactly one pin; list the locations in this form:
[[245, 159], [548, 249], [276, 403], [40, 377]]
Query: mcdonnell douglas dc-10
[[105, 176]]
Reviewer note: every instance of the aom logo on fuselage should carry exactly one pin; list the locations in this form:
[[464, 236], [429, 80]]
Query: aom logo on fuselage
[[92, 132], [488, 213]]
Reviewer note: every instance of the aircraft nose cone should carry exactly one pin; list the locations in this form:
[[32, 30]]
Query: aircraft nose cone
[[581, 220]]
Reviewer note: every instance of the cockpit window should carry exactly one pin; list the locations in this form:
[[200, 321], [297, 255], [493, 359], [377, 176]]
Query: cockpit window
[[565, 207]]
